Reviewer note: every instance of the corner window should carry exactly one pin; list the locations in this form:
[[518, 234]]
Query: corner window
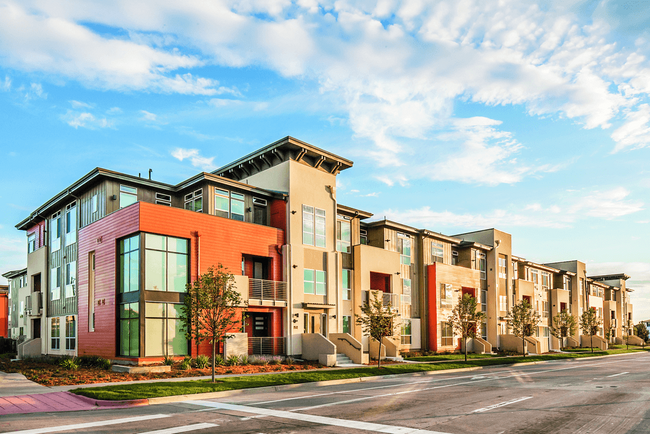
[[129, 329], [55, 232], [129, 257], [55, 283], [70, 279], [437, 252], [165, 334], [194, 201], [128, 195], [71, 224], [55, 334], [70, 333], [31, 243], [343, 234], [347, 284], [166, 263]]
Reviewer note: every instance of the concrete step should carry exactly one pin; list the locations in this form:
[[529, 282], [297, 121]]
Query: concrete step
[[342, 359]]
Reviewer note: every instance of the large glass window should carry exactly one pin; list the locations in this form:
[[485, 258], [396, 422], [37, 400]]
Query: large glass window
[[481, 263], [347, 284], [31, 243], [404, 248], [320, 228], [194, 201], [55, 283], [503, 270], [221, 203], [70, 333], [437, 252], [237, 206], [55, 334], [347, 324], [129, 257], [55, 232], [128, 195], [308, 225], [343, 234], [321, 282], [70, 279], [165, 334], [406, 332], [446, 334], [129, 329], [446, 295], [166, 263], [71, 224], [308, 281], [406, 291]]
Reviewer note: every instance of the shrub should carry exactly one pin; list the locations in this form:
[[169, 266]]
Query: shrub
[[185, 365], [94, 362], [218, 360], [259, 360], [276, 360], [243, 360], [202, 362], [232, 361], [69, 363], [289, 361], [169, 361]]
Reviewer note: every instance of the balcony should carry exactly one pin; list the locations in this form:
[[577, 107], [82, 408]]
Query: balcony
[[261, 289], [34, 303], [268, 346], [385, 297]]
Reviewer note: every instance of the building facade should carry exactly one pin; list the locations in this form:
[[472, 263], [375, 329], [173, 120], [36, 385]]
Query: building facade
[[110, 256]]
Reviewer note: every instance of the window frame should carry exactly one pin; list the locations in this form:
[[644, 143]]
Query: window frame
[[70, 339], [163, 199], [448, 290], [55, 277], [438, 247], [128, 195], [192, 198], [31, 242], [446, 334], [70, 279], [55, 231], [55, 337], [340, 242], [71, 224], [346, 289]]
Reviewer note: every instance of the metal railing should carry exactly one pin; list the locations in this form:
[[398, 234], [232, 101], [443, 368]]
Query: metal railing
[[271, 346], [393, 300], [267, 289]]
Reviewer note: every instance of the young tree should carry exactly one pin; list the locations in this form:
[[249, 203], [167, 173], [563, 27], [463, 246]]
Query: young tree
[[564, 325], [608, 333], [212, 308], [378, 321], [522, 319], [465, 319], [589, 323], [642, 332]]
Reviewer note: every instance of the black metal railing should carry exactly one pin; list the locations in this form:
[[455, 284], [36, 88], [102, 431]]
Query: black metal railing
[[269, 346], [267, 289]]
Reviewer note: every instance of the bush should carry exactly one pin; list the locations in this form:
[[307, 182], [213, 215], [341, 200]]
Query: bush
[[69, 363], [94, 362], [218, 360], [202, 362], [232, 361], [258, 360], [276, 360], [168, 361], [243, 360], [186, 365], [289, 360]]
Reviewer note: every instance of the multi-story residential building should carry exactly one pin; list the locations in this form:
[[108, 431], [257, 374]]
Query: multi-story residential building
[[4, 311], [113, 254]]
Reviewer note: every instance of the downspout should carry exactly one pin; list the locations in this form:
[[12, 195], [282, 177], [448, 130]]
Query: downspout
[[288, 261]]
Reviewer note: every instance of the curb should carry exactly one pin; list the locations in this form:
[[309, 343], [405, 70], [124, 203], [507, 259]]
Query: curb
[[108, 404]]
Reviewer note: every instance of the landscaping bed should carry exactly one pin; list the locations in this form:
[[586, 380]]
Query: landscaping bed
[[49, 372]]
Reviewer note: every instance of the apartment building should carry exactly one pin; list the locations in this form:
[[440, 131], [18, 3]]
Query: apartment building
[[4, 311], [110, 256]]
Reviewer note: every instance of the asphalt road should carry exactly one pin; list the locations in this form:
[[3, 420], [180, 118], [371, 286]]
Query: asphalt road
[[604, 395]]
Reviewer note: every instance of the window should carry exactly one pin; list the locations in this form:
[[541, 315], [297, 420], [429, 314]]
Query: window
[[437, 252], [515, 271], [71, 224], [91, 292], [446, 294], [446, 334], [313, 226], [545, 280], [484, 330], [581, 285], [55, 283], [129, 263], [544, 309], [404, 248], [55, 334], [503, 269], [347, 284], [70, 333], [503, 303], [364, 236], [94, 204], [347, 324], [129, 329], [454, 257], [55, 232], [406, 291], [321, 283], [166, 263], [481, 264], [128, 195], [259, 211], [308, 281], [163, 199], [566, 280], [31, 243], [534, 276], [406, 332], [70, 279], [194, 201], [165, 334], [221, 203], [343, 234], [237, 206], [484, 295], [305, 319]]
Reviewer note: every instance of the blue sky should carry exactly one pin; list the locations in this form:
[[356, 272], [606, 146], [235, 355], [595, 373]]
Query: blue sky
[[459, 115]]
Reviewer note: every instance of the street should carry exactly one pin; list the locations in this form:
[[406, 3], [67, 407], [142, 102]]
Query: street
[[603, 395]]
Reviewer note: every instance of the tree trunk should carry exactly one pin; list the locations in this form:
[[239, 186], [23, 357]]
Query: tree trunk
[[379, 355], [523, 345], [214, 353], [592, 343], [465, 348]]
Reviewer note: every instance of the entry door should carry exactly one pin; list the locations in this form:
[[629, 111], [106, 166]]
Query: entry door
[[261, 325], [323, 324], [36, 328], [260, 270]]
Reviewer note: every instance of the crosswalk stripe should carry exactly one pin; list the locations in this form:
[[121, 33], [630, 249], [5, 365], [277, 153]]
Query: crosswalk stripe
[[186, 428], [90, 424]]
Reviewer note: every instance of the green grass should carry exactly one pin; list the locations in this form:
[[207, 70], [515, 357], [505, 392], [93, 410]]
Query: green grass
[[443, 357], [152, 390]]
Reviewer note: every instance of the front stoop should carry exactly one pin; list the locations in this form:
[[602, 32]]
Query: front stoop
[[141, 369]]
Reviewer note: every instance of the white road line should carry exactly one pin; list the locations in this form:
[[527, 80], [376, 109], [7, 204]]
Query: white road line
[[186, 428], [501, 404], [616, 375], [91, 424], [349, 424]]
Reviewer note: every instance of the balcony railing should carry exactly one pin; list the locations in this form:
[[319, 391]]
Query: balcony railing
[[267, 289], [393, 300], [271, 346]]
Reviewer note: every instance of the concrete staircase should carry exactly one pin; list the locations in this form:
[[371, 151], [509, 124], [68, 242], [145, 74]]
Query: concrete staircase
[[343, 360]]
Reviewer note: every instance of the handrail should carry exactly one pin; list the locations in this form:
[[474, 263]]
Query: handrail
[[350, 343]]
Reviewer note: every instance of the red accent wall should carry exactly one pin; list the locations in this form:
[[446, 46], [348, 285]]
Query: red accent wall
[[101, 237], [279, 214], [4, 315], [470, 291], [39, 230], [221, 241], [432, 298], [380, 281]]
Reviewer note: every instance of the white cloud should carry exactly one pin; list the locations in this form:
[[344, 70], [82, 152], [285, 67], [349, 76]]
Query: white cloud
[[85, 120], [205, 163], [639, 273], [607, 204], [147, 116], [635, 132], [79, 104], [6, 84]]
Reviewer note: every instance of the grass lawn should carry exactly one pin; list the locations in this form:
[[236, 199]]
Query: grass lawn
[[152, 390], [443, 357]]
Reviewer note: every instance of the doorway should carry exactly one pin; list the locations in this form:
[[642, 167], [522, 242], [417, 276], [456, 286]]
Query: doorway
[[36, 328], [261, 323]]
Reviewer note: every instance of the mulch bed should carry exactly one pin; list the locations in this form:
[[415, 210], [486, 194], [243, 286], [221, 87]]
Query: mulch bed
[[50, 374]]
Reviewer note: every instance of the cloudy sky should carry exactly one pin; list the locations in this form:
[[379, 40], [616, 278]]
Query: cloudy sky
[[459, 115]]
